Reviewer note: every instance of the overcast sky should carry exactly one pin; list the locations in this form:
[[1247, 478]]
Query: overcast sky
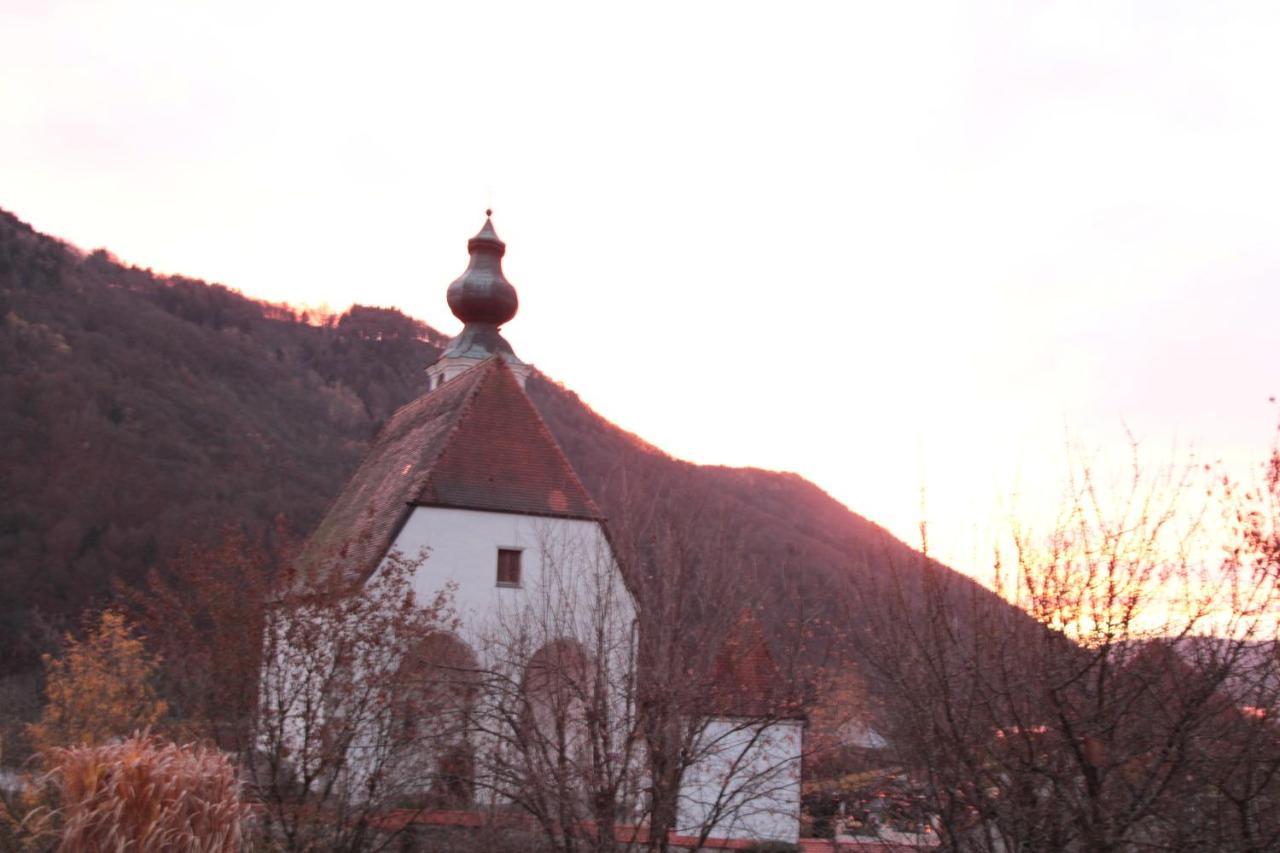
[[885, 245]]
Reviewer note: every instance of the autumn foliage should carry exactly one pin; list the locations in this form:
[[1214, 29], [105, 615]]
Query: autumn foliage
[[101, 688]]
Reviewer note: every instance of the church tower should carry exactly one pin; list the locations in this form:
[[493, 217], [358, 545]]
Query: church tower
[[468, 472], [469, 479], [483, 300]]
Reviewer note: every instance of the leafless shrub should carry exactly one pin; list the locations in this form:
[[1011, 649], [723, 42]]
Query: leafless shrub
[[1126, 702], [347, 723]]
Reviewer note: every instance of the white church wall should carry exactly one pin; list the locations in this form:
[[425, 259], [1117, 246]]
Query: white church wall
[[570, 590], [462, 548], [567, 570], [746, 784], [320, 691]]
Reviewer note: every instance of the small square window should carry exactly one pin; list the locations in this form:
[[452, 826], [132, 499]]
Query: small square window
[[508, 567]]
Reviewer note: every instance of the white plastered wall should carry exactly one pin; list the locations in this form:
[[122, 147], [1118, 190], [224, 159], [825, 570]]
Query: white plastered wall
[[746, 783], [760, 801], [461, 547], [567, 570], [447, 368]]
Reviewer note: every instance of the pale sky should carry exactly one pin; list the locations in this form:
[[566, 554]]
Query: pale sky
[[886, 245]]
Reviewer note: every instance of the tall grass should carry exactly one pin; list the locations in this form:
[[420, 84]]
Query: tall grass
[[145, 794]]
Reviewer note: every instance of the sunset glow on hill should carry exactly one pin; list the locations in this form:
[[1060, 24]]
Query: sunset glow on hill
[[911, 256]]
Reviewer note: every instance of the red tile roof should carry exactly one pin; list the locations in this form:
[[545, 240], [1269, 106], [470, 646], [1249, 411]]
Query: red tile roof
[[502, 457], [475, 442], [745, 680]]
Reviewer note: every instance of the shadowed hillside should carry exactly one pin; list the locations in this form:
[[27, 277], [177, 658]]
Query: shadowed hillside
[[140, 412]]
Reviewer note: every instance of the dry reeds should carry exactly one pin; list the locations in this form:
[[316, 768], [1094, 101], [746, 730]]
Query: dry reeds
[[145, 794]]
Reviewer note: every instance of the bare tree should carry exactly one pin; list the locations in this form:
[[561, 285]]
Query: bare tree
[[694, 580], [557, 717], [350, 723], [1125, 701], [613, 687]]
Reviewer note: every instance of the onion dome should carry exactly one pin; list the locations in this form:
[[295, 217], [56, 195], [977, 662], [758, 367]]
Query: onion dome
[[482, 294]]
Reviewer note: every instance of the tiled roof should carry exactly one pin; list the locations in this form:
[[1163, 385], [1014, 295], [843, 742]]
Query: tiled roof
[[501, 457], [475, 442], [745, 681]]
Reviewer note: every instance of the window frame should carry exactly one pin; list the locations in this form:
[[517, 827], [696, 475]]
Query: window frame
[[518, 583]]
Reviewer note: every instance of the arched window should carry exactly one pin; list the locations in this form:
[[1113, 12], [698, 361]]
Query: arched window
[[558, 693], [436, 699]]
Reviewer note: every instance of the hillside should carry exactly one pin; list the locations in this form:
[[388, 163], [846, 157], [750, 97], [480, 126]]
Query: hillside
[[140, 412], [800, 534]]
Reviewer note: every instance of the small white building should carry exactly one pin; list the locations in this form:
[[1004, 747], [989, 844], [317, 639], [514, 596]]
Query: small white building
[[745, 783], [469, 475]]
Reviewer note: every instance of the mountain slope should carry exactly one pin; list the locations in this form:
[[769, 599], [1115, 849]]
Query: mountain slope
[[140, 412], [801, 540]]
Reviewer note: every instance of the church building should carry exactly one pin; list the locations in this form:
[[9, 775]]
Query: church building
[[469, 476]]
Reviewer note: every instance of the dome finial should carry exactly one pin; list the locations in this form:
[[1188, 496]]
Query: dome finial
[[483, 300], [482, 294]]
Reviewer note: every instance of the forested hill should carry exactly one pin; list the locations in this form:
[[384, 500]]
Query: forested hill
[[140, 412]]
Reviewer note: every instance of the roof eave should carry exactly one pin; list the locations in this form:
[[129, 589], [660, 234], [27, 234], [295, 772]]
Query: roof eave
[[599, 519]]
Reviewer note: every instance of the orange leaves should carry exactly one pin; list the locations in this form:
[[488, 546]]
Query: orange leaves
[[99, 689]]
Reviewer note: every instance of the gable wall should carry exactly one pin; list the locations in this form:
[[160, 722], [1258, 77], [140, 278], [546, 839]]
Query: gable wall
[[462, 547]]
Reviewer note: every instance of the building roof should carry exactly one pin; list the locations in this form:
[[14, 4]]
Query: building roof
[[475, 442], [745, 680]]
